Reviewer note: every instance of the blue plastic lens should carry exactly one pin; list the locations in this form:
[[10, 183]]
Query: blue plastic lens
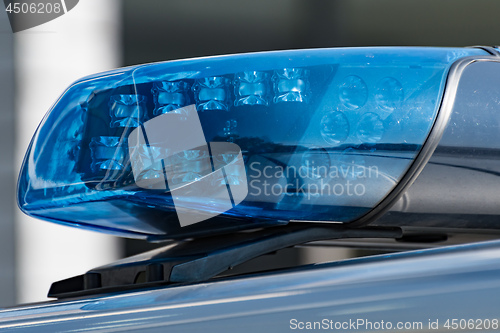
[[211, 145]]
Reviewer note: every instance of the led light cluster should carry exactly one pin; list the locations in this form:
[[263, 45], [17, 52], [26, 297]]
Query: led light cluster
[[250, 88], [127, 110], [253, 88], [170, 96], [108, 153], [210, 94]]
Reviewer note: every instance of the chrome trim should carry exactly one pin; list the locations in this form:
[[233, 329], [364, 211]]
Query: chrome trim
[[490, 49]]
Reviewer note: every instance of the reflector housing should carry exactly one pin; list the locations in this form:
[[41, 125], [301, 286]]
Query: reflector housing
[[193, 147]]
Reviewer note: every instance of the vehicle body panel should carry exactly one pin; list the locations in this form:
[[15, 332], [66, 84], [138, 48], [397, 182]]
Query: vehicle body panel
[[458, 282]]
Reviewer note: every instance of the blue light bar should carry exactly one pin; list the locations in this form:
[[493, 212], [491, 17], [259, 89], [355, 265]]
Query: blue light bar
[[208, 145]]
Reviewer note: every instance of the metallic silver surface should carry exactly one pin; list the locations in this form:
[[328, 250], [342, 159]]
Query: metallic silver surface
[[460, 185], [490, 49]]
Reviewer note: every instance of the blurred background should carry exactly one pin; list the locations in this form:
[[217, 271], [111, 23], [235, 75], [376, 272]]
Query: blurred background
[[38, 64]]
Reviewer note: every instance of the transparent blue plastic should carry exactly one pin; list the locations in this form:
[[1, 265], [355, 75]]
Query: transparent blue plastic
[[310, 135]]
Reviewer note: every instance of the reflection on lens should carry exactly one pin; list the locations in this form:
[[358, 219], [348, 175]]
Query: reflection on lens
[[351, 164], [230, 129], [370, 128], [353, 92], [315, 163], [389, 94], [334, 127]]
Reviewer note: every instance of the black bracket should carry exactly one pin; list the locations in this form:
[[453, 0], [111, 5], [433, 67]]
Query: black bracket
[[201, 259]]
